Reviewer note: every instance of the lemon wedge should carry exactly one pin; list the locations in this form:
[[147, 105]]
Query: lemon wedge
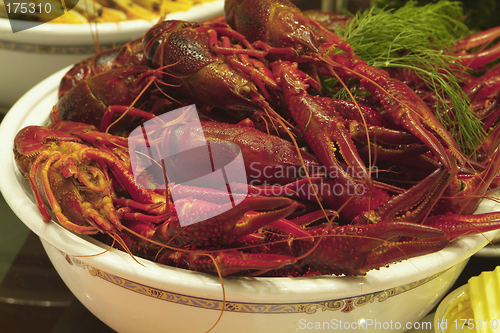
[[484, 291]]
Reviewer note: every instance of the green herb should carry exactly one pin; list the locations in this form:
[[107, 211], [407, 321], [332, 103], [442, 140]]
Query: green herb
[[478, 14], [336, 89], [417, 37]]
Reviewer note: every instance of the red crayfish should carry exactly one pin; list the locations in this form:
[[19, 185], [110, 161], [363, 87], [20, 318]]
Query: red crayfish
[[333, 186]]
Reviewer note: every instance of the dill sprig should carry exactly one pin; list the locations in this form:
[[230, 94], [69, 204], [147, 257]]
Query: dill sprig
[[417, 38]]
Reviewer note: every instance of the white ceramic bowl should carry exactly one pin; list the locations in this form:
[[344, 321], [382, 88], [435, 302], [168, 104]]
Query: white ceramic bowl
[[31, 55], [148, 297]]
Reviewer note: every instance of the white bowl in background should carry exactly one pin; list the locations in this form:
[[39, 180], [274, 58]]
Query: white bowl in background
[[31, 55], [143, 296]]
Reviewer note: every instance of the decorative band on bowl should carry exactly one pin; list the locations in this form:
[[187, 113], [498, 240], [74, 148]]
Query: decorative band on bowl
[[343, 305], [53, 49]]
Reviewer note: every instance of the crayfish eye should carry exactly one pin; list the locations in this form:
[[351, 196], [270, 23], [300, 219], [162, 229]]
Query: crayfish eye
[[463, 185], [245, 90], [321, 39]]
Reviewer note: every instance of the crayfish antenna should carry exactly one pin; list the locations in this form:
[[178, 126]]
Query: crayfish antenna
[[163, 246], [116, 238]]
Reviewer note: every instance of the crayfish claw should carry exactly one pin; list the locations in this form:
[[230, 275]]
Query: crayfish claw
[[227, 262], [354, 250], [456, 226]]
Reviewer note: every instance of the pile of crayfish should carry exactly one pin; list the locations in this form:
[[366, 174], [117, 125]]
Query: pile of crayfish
[[333, 186]]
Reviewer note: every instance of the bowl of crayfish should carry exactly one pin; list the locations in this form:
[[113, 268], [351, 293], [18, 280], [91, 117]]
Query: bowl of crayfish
[[32, 47], [235, 179]]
